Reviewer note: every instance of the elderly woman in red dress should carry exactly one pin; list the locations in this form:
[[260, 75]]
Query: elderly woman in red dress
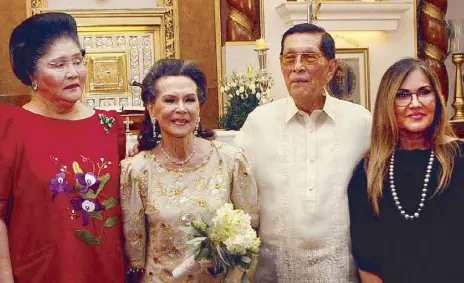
[[59, 159]]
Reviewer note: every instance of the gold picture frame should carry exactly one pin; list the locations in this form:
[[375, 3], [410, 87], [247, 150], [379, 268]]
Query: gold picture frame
[[351, 80], [106, 73]]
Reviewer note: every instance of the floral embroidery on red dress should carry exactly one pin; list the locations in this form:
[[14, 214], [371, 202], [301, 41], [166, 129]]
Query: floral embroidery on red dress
[[82, 188]]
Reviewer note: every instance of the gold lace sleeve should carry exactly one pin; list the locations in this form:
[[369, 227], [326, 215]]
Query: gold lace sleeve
[[244, 194], [133, 193]]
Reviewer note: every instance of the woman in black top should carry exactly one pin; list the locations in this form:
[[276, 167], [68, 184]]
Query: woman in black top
[[407, 196]]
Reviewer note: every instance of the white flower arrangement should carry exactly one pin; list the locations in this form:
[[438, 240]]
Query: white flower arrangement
[[244, 91], [226, 239]]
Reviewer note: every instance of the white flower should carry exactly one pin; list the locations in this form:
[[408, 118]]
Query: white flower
[[237, 92], [88, 206], [252, 86], [227, 88], [230, 96], [241, 89], [90, 179], [258, 96], [233, 228], [240, 243], [253, 91]]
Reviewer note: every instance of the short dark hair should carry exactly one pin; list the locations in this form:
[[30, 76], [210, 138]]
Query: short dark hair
[[327, 42], [30, 40], [165, 68]]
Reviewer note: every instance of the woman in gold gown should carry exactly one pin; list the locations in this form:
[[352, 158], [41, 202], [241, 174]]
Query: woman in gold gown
[[179, 173]]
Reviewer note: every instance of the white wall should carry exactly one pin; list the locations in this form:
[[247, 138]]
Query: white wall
[[101, 4], [455, 11], [384, 47]]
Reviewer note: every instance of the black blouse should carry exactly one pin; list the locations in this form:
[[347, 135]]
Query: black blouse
[[427, 249]]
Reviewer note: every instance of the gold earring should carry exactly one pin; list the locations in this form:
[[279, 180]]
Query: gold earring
[[197, 127]]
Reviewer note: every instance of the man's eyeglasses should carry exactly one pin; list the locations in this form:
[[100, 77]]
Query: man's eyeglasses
[[424, 95], [306, 59], [61, 65]]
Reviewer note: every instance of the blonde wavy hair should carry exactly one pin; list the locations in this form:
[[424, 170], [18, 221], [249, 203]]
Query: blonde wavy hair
[[385, 133]]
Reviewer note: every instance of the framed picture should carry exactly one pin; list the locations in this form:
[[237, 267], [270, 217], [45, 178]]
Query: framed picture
[[351, 80], [106, 73]]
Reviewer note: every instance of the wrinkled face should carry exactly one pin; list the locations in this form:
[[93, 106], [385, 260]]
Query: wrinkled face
[[306, 77], [60, 73], [417, 116], [176, 108]]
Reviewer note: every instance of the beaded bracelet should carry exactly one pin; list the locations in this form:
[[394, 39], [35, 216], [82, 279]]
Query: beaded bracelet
[[133, 270]]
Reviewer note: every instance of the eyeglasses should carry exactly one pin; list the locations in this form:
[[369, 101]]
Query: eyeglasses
[[60, 65], [424, 95], [306, 59]]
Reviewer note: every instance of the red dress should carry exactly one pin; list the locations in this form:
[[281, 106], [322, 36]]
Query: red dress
[[61, 179]]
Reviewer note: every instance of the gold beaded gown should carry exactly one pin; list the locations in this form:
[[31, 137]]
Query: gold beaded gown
[[157, 200]]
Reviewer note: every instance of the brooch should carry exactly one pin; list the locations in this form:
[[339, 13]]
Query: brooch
[[107, 122]]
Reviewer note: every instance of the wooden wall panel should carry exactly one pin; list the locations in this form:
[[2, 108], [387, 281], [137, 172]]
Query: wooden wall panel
[[11, 14], [197, 35]]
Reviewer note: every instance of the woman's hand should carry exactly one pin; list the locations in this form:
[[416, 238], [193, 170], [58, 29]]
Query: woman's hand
[[367, 277], [6, 273], [234, 275], [133, 151]]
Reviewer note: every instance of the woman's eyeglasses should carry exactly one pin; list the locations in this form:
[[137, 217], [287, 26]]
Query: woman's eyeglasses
[[306, 59], [424, 95], [61, 65]]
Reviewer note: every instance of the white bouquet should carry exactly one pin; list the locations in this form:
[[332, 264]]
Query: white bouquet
[[244, 92], [226, 239]]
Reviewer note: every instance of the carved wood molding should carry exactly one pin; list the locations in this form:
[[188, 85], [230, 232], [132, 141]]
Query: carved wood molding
[[433, 38], [170, 24]]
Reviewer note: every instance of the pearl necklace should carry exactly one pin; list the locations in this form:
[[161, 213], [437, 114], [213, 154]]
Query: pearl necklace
[[424, 190], [182, 162]]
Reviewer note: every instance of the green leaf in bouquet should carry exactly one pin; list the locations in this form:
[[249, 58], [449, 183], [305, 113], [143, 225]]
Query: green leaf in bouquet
[[204, 252], [189, 230], [222, 254], [196, 241], [245, 259], [207, 218]]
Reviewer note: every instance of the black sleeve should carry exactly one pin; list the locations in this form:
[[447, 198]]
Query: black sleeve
[[363, 223]]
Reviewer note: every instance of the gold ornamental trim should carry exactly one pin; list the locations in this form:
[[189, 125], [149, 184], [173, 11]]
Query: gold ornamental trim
[[433, 52], [35, 6], [241, 19], [433, 11], [170, 28]]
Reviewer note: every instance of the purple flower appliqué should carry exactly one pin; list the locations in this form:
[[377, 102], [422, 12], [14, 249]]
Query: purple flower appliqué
[[87, 181], [59, 184], [86, 206]]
